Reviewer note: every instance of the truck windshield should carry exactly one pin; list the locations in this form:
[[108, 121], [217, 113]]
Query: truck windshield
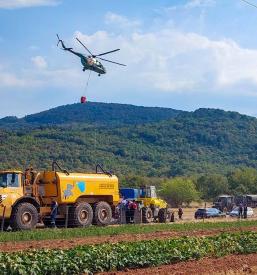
[[148, 192], [9, 180]]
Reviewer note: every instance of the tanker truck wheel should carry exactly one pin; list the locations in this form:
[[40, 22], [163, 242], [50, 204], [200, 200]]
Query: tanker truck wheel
[[147, 215], [81, 214], [102, 213], [24, 217]]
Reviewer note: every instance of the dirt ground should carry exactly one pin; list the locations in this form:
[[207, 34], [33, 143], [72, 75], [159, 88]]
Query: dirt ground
[[69, 243], [233, 265]]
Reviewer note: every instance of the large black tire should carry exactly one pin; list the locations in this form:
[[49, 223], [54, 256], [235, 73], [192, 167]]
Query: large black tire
[[24, 217], [163, 215], [102, 213], [80, 215], [147, 215]]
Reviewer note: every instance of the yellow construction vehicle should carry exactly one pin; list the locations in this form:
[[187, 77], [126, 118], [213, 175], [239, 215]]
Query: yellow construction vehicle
[[83, 199], [154, 207]]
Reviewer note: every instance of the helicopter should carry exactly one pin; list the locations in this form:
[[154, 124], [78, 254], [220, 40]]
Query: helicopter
[[90, 62]]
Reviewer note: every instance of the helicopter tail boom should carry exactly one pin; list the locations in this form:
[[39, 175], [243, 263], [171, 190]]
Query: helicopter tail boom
[[63, 46]]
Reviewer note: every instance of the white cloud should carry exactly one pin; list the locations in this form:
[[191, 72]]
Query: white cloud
[[193, 4], [41, 78], [170, 60], [39, 62], [11, 80], [120, 21], [200, 4], [167, 60], [14, 4]]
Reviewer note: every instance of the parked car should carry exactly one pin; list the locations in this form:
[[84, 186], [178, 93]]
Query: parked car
[[208, 213], [235, 213]]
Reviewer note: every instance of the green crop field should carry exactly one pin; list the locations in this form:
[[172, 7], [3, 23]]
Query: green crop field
[[47, 234], [91, 259]]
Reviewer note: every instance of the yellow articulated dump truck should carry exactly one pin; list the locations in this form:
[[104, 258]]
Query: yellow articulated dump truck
[[154, 207], [25, 198]]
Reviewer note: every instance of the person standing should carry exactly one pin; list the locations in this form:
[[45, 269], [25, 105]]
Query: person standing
[[54, 210], [133, 208], [123, 211], [245, 211], [240, 211], [180, 213]]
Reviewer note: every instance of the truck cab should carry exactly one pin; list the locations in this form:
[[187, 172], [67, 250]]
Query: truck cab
[[11, 189], [149, 197], [19, 206], [224, 203]]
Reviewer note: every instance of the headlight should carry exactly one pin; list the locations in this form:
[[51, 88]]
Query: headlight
[[2, 197]]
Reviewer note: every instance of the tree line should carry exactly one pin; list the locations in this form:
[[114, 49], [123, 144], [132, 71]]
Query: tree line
[[183, 190]]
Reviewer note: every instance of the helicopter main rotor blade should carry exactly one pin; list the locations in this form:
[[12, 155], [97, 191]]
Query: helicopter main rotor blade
[[112, 62], [84, 46], [107, 52]]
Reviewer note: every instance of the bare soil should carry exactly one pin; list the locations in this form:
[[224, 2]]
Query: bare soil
[[69, 243], [234, 264]]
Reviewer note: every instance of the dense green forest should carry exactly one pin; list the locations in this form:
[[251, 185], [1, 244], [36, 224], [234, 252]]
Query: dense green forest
[[97, 114], [130, 140]]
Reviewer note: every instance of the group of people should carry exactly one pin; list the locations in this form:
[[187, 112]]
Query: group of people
[[128, 207]]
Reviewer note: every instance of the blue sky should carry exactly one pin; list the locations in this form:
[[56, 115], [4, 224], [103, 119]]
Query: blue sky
[[183, 54]]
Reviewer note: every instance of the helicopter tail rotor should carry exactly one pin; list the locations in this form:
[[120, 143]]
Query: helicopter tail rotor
[[63, 46], [59, 40]]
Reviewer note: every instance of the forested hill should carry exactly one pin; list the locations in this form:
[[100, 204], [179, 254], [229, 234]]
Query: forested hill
[[92, 113], [206, 140]]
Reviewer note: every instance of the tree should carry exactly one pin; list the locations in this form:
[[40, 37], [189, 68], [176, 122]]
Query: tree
[[212, 186], [135, 181], [243, 181], [179, 190]]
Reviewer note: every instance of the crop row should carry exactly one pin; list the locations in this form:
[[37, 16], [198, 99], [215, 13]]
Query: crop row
[[107, 257], [69, 233]]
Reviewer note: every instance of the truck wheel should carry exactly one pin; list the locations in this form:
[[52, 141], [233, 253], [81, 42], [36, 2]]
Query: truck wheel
[[24, 217], [162, 215], [147, 215], [81, 214], [102, 213]]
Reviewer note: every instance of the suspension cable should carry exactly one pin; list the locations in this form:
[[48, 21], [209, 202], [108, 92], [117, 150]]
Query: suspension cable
[[87, 81]]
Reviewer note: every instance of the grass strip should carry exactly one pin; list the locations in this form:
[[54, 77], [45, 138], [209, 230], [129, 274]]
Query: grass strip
[[111, 257], [52, 234]]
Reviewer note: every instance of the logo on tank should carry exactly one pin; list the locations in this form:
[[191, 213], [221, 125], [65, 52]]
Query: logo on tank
[[68, 191], [81, 186]]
